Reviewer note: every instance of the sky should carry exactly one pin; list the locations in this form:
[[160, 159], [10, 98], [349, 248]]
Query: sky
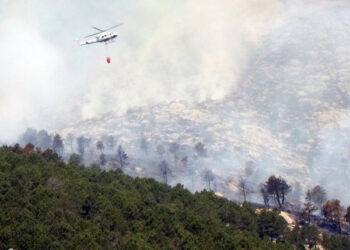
[[170, 50], [191, 50]]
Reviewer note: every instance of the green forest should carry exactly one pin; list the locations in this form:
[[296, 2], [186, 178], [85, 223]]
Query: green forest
[[49, 204]]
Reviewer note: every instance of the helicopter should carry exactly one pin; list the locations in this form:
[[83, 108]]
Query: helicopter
[[102, 36]]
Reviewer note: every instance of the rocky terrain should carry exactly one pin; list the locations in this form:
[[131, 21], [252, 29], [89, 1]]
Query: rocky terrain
[[289, 116]]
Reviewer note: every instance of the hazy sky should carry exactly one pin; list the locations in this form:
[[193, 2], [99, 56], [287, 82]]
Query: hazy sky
[[166, 50], [191, 50]]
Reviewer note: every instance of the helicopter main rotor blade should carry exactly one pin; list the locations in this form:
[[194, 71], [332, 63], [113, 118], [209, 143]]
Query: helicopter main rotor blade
[[114, 26], [93, 34], [103, 30], [98, 29]]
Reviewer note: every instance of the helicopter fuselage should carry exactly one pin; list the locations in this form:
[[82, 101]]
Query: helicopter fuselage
[[103, 37]]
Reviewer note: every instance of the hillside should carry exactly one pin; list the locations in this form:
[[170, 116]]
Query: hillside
[[48, 204], [289, 115]]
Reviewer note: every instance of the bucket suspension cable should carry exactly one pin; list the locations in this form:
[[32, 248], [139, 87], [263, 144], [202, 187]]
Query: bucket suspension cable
[[108, 59]]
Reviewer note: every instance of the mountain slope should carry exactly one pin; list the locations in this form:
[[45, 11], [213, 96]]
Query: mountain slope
[[289, 116], [48, 204]]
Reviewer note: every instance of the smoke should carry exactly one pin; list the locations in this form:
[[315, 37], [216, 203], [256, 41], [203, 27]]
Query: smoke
[[27, 91], [190, 50], [298, 82], [287, 57]]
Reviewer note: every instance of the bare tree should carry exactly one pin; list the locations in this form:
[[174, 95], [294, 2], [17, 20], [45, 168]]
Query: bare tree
[[100, 146], [69, 140], [317, 195], [307, 211], [173, 149], [57, 144], [265, 195], [82, 143], [103, 159], [184, 161], [165, 171], [43, 140], [245, 188], [122, 157], [285, 189], [200, 149], [29, 136], [209, 177]]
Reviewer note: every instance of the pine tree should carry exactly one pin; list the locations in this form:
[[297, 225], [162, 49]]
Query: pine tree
[[278, 189]]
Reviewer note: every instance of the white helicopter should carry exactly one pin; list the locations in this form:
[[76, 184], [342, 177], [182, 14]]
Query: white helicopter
[[102, 37]]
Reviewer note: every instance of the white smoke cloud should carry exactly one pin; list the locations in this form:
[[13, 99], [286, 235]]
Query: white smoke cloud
[[190, 50], [195, 52], [28, 90]]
